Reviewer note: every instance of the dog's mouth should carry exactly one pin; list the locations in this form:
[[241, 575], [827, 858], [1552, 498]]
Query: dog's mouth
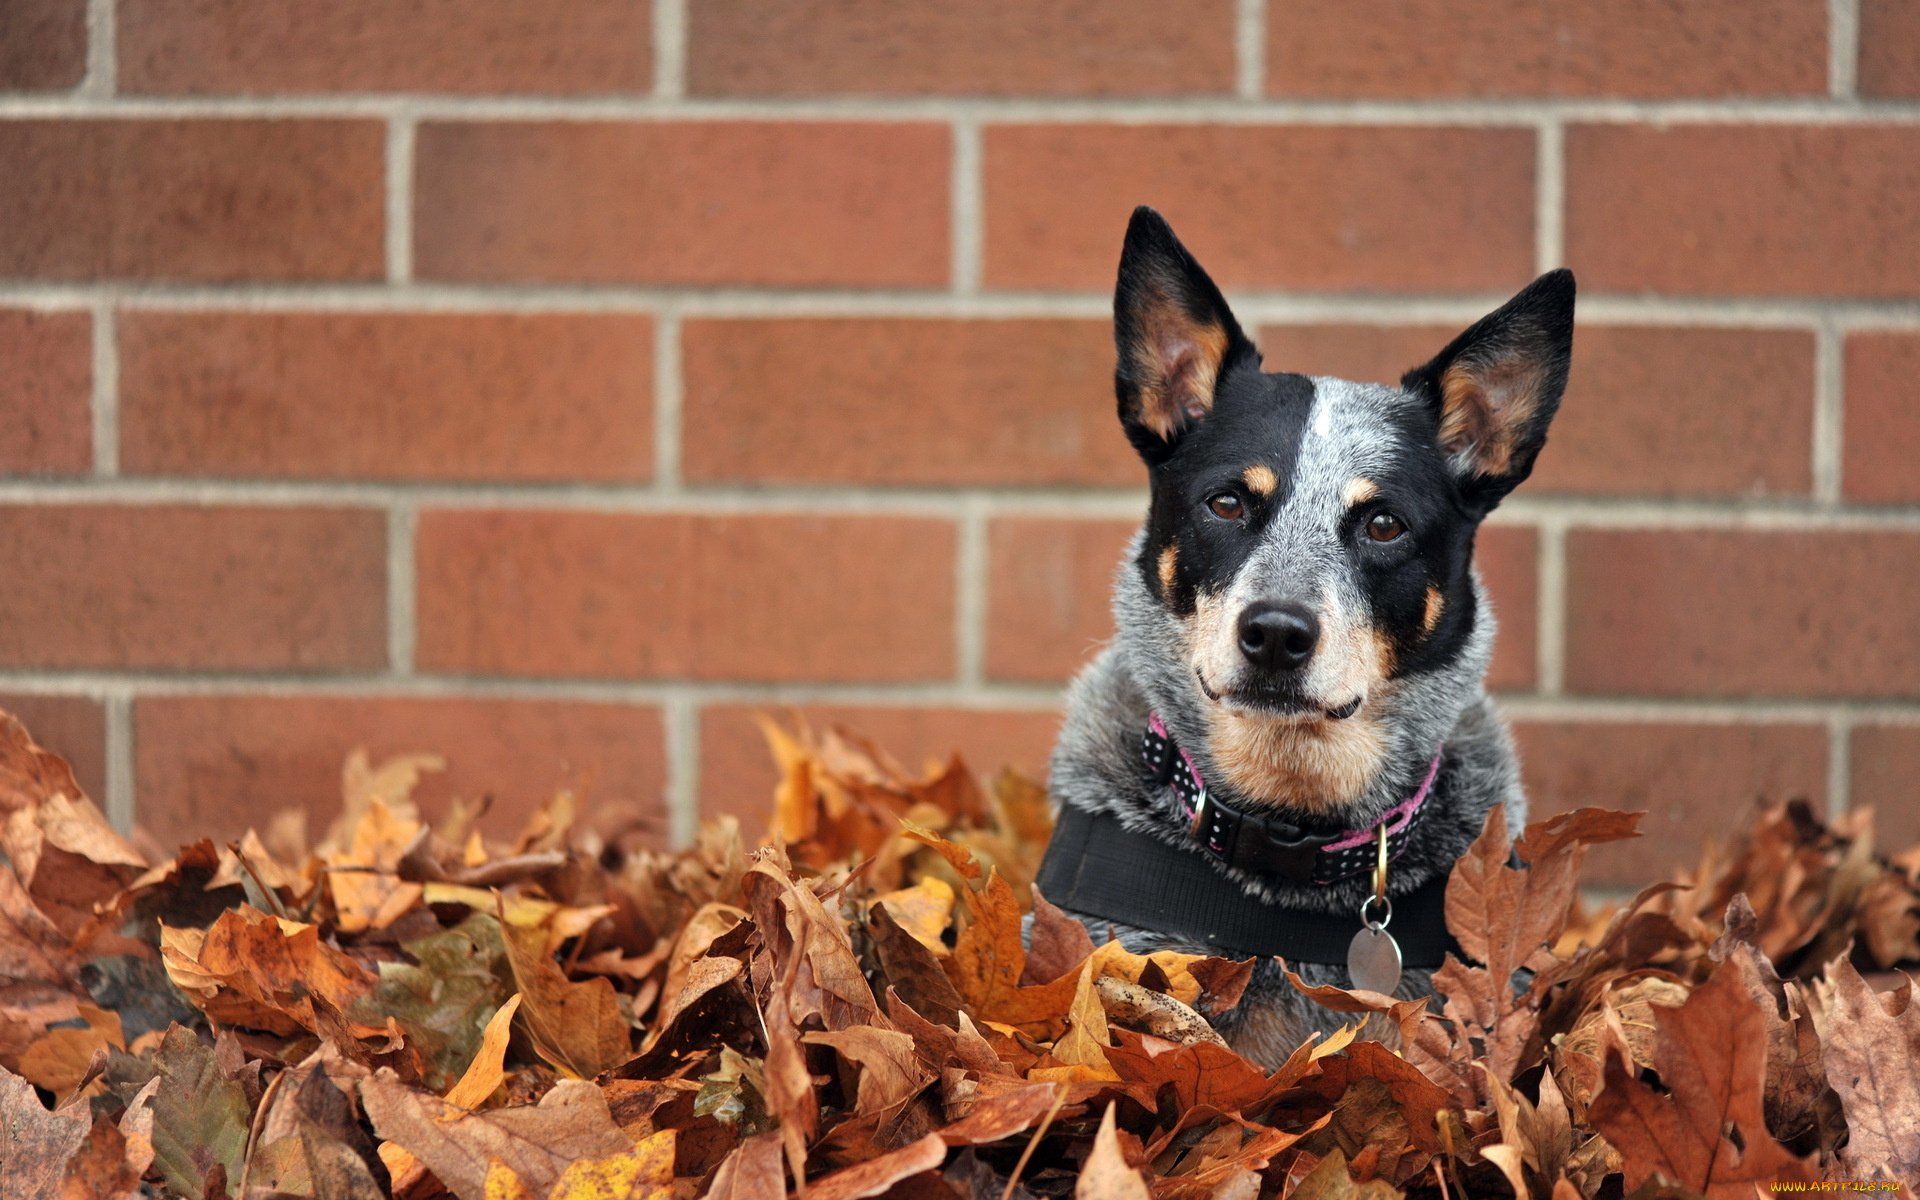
[[1276, 703]]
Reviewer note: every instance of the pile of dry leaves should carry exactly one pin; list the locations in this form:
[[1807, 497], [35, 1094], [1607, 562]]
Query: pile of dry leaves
[[851, 1011]]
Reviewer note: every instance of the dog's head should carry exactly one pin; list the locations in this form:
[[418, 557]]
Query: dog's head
[[1307, 557]]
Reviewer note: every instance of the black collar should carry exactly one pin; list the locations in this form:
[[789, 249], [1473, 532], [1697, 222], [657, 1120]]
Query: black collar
[[1097, 867]]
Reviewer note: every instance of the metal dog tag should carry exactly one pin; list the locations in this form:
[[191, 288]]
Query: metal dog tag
[[1373, 957]]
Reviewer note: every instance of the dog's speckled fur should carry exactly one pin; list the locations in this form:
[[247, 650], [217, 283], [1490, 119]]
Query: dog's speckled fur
[[1404, 624]]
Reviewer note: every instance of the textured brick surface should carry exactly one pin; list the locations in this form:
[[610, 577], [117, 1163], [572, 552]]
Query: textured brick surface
[[994, 47], [203, 588], [1739, 613], [1415, 49], [1691, 780], [387, 395], [192, 199], [694, 597], [903, 401], [1730, 210], [213, 765], [43, 44], [724, 202], [1881, 446], [1648, 410], [1889, 48], [1049, 581], [1886, 776], [1323, 208], [46, 391], [266, 46], [1508, 557], [74, 727], [737, 775]]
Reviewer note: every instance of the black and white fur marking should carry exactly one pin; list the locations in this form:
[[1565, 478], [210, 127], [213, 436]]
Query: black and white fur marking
[[1270, 496]]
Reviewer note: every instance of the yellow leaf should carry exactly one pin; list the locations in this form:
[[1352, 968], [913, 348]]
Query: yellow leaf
[[487, 1069], [503, 1184], [1085, 1043], [923, 910], [643, 1173], [1340, 1040], [364, 874]]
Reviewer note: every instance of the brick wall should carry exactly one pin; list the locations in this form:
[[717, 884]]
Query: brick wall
[[554, 385]]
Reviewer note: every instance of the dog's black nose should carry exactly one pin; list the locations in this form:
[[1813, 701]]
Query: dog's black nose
[[1278, 637]]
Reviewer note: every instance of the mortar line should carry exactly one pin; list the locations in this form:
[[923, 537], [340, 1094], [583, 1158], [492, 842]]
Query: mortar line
[[968, 212], [669, 49], [1843, 48], [104, 402], [1549, 201], [668, 403], [970, 596], [1550, 608], [1253, 307], [680, 730], [117, 704], [1839, 763], [1827, 447], [1039, 698], [403, 522], [401, 127], [1203, 110], [102, 79], [1250, 49]]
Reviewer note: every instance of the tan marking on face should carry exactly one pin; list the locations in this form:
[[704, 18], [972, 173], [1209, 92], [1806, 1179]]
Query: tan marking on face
[[1261, 480], [1483, 406], [1314, 764], [1359, 491], [1168, 558], [1435, 606]]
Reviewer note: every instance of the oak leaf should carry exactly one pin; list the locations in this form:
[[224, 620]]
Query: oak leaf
[[1872, 1060], [35, 1144]]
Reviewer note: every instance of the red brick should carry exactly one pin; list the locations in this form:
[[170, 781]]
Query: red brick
[[46, 388], [273, 46], [387, 395], [1889, 48], [1882, 438], [1420, 49], [1743, 210], [1049, 581], [192, 199], [903, 401], [1692, 780], [1508, 557], [209, 589], [74, 727], [984, 47], [1649, 410], [737, 776], [43, 44], [705, 202], [1886, 776], [1333, 208], [211, 766], [748, 597], [1742, 613]]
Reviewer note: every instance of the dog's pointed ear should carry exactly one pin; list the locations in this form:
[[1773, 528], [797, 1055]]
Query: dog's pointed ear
[[1495, 389], [1174, 333]]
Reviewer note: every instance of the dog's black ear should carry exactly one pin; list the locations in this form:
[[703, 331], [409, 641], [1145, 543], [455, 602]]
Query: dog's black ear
[[1494, 390], [1174, 333]]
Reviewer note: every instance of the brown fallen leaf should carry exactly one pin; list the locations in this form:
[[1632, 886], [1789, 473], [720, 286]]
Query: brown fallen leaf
[[1107, 1175], [35, 1145], [1872, 1060], [1710, 1133], [577, 1027], [1330, 1180], [537, 1142], [753, 1171], [29, 772], [876, 1175], [1059, 943]]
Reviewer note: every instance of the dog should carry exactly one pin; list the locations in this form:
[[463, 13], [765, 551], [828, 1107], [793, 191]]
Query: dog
[[1294, 694]]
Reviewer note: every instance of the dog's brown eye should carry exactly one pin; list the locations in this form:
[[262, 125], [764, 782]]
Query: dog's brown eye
[[1384, 527], [1226, 506]]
